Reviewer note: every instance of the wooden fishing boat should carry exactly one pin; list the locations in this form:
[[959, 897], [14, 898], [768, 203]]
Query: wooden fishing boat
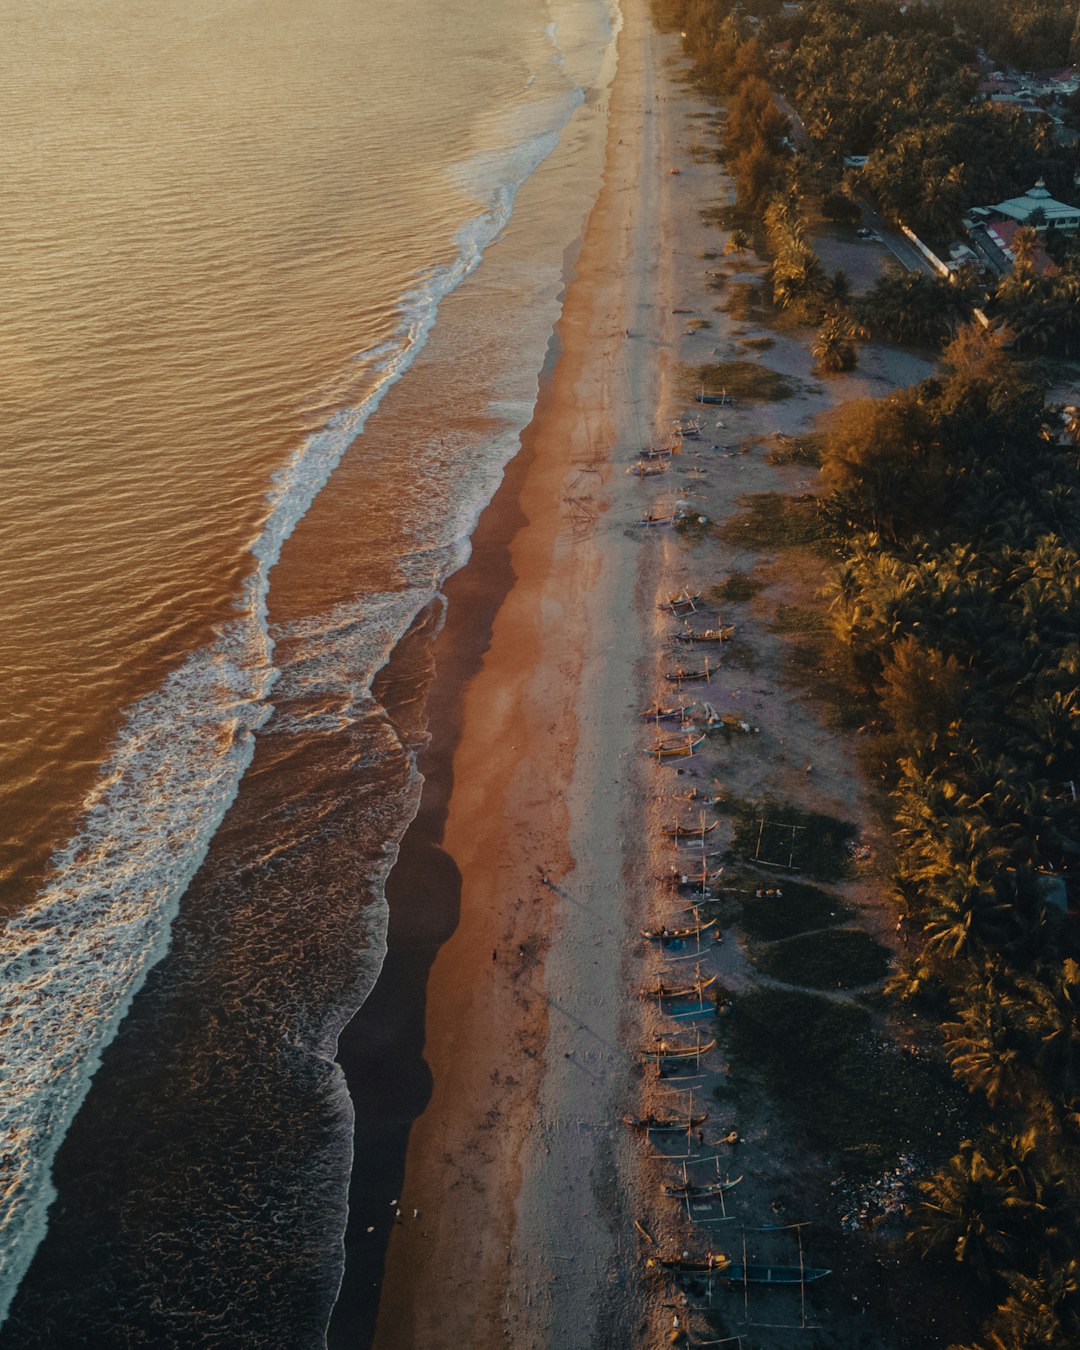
[[708, 635], [653, 1124], [689, 1190], [691, 990], [679, 604], [689, 882], [664, 1049], [659, 452], [649, 519], [647, 470], [690, 831], [681, 676], [718, 400], [688, 1012], [759, 1274], [677, 750], [665, 934], [658, 714], [684, 1264]]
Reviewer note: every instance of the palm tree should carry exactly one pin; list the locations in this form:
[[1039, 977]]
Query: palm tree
[[983, 1205], [1051, 1023], [834, 347], [1025, 242], [982, 1047]]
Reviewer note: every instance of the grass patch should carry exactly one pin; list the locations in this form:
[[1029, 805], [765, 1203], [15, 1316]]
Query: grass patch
[[745, 302], [799, 909], [852, 1096], [739, 586], [842, 959], [739, 655], [787, 836], [741, 379], [759, 344], [694, 527], [773, 520], [804, 450], [728, 217], [696, 325], [798, 619], [817, 662]]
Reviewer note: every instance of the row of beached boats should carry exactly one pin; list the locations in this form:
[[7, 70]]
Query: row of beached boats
[[679, 997]]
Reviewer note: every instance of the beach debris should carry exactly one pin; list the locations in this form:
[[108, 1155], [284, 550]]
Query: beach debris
[[644, 1232]]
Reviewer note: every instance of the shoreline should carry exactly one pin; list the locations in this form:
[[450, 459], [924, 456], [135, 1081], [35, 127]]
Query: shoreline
[[381, 1051], [513, 660]]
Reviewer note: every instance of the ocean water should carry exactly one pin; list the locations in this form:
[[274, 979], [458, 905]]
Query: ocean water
[[278, 281]]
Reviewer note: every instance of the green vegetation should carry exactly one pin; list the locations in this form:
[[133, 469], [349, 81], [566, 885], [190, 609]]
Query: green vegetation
[[800, 909], [745, 301], [1030, 34], [740, 379], [959, 598], [834, 348], [844, 958], [795, 450], [737, 587], [851, 1095], [798, 619], [914, 307], [778, 521], [787, 836], [693, 527]]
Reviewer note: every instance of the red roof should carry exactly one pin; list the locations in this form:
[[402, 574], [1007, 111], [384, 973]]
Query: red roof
[[1003, 232]]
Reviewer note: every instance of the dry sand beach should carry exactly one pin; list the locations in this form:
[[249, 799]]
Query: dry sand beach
[[542, 815]]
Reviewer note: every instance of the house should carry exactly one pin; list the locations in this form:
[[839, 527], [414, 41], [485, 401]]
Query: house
[[1036, 208], [1002, 234]]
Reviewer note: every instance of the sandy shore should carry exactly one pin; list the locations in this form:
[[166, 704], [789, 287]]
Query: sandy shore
[[542, 815], [510, 1163]]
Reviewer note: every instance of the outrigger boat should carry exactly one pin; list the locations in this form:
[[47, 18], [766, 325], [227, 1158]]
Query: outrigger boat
[[662, 1050], [663, 934], [708, 635], [643, 470], [692, 990], [649, 519], [677, 751], [684, 1264], [653, 1124], [689, 1190], [680, 604], [658, 714], [681, 676], [690, 831], [721, 400], [758, 1274], [660, 451], [689, 428], [689, 882]]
